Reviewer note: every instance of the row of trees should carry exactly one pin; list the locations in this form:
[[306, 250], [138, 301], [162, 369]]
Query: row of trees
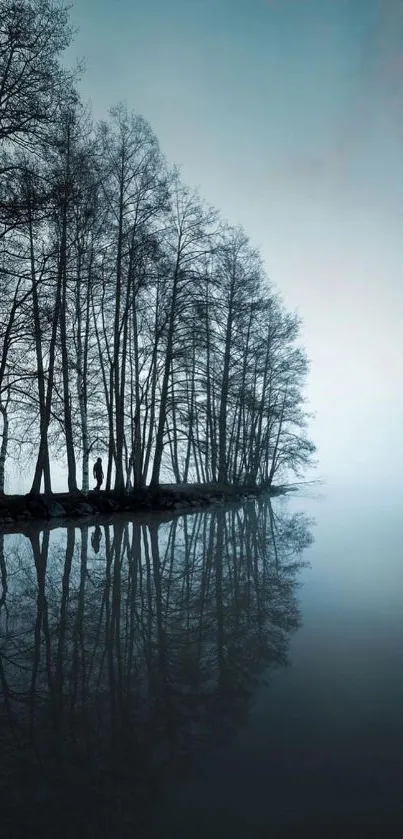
[[133, 319]]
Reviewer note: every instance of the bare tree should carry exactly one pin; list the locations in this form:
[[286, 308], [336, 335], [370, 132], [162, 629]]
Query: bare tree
[[187, 242], [32, 82], [135, 191]]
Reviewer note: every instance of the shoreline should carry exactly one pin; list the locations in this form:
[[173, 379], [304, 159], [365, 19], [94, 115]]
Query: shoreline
[[61, 507]]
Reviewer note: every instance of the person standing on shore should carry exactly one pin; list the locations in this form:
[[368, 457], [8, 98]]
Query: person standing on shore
[[98, 473]]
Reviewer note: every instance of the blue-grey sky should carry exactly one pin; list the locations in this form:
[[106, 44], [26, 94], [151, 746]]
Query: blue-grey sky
[[288, 114]]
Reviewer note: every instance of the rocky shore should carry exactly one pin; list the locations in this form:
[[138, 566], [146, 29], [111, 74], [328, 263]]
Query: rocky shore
[[23, 509]]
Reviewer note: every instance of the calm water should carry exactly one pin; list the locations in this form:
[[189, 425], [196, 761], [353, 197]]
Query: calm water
[[221, 675]]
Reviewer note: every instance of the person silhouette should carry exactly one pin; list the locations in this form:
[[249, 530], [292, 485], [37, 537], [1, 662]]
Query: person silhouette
[[98, 473], [96, 539]]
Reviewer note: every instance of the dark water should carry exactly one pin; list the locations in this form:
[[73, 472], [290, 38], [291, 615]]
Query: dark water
[[220, 675]]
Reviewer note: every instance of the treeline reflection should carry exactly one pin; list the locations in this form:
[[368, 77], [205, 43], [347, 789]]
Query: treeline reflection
[[125, 649]]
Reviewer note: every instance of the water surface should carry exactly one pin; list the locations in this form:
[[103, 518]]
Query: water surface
[[221, 674]]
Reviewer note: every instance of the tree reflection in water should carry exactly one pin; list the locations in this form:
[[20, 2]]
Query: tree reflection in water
[[119, 665]]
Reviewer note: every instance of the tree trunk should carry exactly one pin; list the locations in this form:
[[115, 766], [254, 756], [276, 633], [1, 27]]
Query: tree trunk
[[4, 445], [82, 373], [278, 437], [39, 356], [68, 424], [119, 421], [159, 443], [43, 453], [137, 448], [222, 421]]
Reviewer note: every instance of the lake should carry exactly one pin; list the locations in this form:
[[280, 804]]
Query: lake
[[230, 673]]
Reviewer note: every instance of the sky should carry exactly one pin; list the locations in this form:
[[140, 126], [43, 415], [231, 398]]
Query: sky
[[288, 115]]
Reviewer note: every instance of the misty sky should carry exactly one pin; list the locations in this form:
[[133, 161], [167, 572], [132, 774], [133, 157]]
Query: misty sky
[[288, 114]]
